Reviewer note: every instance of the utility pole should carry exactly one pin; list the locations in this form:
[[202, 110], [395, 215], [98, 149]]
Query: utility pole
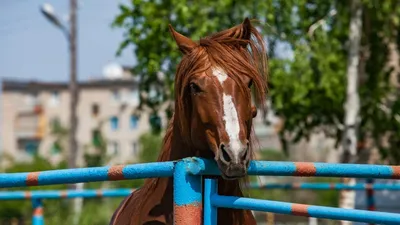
[[73, 90], [71, 36], [73, 87]]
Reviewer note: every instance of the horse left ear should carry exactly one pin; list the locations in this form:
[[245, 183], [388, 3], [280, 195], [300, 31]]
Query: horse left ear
[[185, 44]]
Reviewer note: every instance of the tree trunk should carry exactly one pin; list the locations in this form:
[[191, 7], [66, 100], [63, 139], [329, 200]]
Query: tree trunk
[[352, 105]]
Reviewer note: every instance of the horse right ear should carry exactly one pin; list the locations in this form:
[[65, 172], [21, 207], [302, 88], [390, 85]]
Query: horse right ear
[[185, 44]]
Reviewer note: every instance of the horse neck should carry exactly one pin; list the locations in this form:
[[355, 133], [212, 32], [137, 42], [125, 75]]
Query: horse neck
[[174, 145]]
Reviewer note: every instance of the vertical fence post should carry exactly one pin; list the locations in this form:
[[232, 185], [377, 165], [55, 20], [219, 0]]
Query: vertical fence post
[[37, 214], [187, 195], [270, 218], [210, 211], [370, 195]]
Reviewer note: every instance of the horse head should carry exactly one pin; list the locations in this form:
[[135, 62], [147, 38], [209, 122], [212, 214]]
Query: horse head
[[213, 88]]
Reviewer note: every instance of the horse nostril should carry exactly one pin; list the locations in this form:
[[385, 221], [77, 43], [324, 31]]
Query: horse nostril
[[244, 156], [225, 155], [245, 151]]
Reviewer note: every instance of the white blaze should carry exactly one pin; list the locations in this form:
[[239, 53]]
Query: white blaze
[[231, 124], [230, 115], [220, 74]]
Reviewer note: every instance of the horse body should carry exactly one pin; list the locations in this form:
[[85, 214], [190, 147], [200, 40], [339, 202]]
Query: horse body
[[219, 72]]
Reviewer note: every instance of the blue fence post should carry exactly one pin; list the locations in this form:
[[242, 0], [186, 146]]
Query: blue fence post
[[187, 195], [210, 211], [370, 195], [37, 214]]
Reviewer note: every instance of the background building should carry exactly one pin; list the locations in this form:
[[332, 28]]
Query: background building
[[35, 114]]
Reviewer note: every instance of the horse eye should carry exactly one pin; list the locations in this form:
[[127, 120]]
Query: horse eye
[[250, 84], [194, 88]]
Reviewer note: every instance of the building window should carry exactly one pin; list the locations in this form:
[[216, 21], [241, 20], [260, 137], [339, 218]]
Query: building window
[[134, 121], [31, 147], [55, 98], [31, 99], [97, 138], [114, 122], [113, 148], [135, 149], [134, 97], [155, 122], [116, 96], [95, 109], [56, 148]]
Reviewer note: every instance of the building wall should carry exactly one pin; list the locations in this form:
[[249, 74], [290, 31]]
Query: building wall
[[15, 104]]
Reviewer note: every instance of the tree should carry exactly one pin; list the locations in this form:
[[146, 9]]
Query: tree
[[352, 105]]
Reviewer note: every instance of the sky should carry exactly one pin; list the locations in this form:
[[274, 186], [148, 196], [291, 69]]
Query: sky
[[33, 48]]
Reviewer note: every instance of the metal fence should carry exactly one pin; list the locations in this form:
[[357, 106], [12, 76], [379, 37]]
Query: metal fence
[[188, 193]]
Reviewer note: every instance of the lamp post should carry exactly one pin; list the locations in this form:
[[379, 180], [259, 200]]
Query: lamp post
[[71, 35]]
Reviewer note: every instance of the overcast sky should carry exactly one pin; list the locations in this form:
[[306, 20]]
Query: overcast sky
[[32, 48]]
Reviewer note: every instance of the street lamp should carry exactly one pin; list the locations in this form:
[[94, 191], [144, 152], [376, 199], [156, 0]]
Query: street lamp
[[48, 12], [71, 33]]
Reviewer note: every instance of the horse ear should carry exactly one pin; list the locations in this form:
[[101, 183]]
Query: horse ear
[[185, 44], [246, 27], [241, 32]]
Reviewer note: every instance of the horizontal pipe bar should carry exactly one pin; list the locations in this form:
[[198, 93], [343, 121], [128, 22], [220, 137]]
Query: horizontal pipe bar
[[199, 166], [92, 193], [305, 210], [327, 186], [91, 174], [196, 166], [57, 194]]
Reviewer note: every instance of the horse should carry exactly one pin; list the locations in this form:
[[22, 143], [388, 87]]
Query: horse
[[218, 84]]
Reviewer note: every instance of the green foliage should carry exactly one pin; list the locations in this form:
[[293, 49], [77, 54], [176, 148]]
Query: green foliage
[[99, 144], [61, 134], [150, 146], [272, 155], [99, 211], [308, 89], [315, 100], [22, 209]]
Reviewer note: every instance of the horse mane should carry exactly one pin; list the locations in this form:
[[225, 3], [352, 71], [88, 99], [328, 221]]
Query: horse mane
[[238, 57]]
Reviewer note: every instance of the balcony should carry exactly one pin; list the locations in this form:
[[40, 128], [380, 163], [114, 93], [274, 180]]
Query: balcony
[[30, 124]]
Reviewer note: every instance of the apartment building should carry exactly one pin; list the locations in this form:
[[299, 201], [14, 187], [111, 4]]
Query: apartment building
[[35, 115]]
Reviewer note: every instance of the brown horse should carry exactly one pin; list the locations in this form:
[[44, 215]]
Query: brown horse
[[212, 119]]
